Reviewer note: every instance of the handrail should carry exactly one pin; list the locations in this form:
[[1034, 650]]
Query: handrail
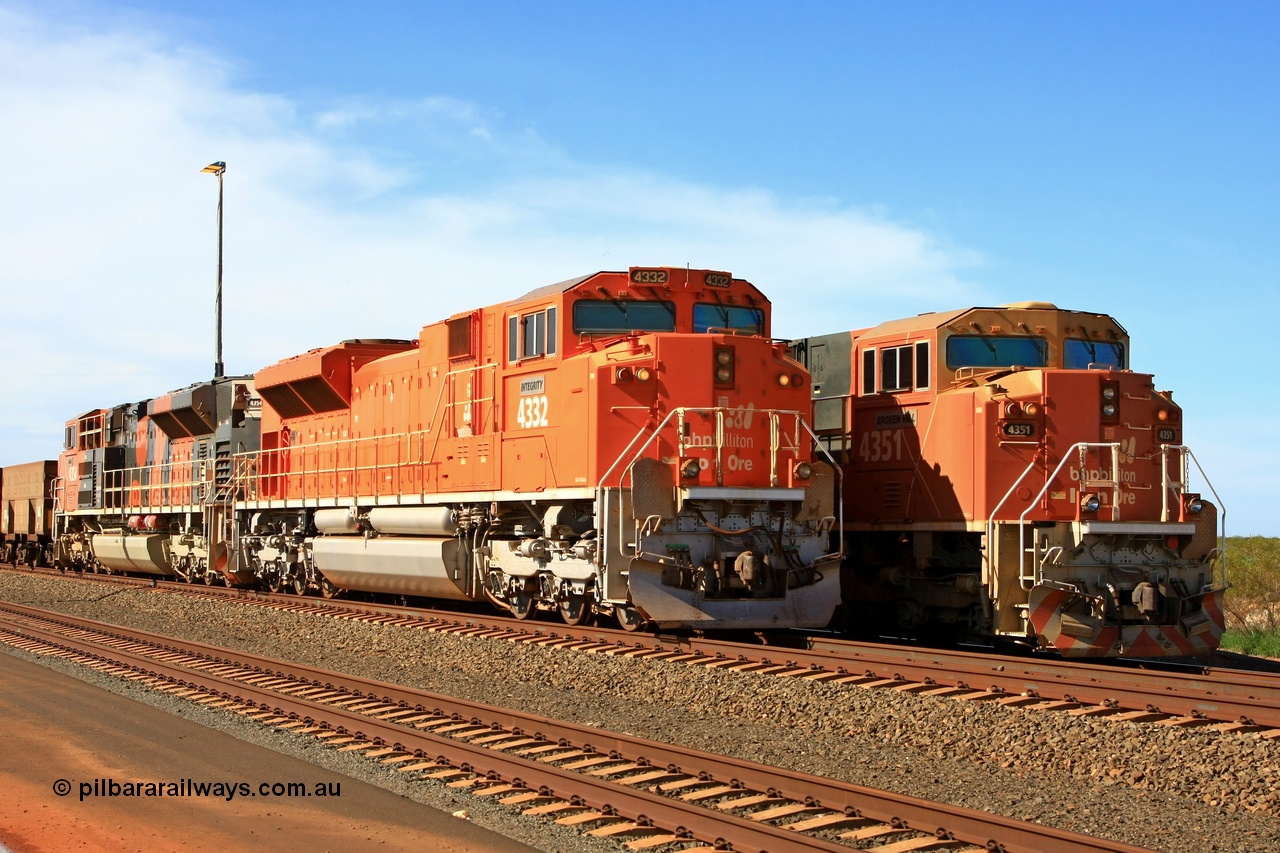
[[1081, 447], [390, 452], [1028, 579], [1222, 509], [119, 493], [774, 415]]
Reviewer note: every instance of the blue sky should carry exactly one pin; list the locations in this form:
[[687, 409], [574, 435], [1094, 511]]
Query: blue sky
[[391, 164]]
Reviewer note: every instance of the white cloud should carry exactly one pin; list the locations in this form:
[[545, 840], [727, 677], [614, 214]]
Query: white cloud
[[107, 225]]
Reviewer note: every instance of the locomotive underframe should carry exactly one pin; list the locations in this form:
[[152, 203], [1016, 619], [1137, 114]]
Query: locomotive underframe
[[948, 585], [717, 563], [725, 558], [173, 545]]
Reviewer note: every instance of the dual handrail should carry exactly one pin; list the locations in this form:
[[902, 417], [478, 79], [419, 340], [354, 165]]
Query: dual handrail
[[640, 443], [1030, 575]]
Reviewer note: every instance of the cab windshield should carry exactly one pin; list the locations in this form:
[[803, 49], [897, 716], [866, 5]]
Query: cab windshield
[[735, 318], [1079, 354], [623, 315], [996, 351]]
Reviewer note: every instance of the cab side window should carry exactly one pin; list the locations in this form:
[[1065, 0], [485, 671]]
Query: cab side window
[[901, 368], [531, 335]]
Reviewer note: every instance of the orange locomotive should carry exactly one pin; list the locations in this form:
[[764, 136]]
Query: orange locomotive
[[629, 443], [1007, 477], [625, 443]]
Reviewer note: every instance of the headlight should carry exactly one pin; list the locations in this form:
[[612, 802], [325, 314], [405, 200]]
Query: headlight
[[1090, 503], [784, 380], [623, 374], [643, 374], [723, 365], [690, 469], [1110, 400], [1012, 410]]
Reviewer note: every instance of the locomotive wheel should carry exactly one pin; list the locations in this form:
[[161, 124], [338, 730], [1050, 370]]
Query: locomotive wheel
[[521, 606], [299, 586], [575, 610], [274, 582], [629, 618]]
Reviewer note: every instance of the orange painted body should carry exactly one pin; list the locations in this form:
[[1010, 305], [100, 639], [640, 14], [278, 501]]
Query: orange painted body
[[413, 419], [995, 455]]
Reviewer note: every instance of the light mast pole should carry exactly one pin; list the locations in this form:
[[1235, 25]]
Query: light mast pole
[[218, 168]]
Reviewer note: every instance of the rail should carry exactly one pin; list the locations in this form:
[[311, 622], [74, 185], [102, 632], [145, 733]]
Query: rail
[[1205, 693], [387, 718]]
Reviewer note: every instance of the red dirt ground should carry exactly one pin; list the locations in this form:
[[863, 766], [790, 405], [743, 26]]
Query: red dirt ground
[[55, 727]]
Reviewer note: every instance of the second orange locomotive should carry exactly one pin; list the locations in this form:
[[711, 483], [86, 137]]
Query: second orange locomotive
[[1008, 476]]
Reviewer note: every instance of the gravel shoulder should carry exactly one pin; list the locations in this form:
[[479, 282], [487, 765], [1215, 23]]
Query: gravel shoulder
[[1168, 789]]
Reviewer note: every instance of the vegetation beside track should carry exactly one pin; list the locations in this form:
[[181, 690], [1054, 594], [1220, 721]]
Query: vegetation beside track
[[1253, 602]]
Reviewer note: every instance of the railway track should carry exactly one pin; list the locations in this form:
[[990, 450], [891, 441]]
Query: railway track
[[644, 793], [1223, 699]]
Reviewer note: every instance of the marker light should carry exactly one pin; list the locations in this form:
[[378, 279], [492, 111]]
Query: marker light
[[643, 374], [803, 471], [623, 374], [690, 469], [1090, 502]]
